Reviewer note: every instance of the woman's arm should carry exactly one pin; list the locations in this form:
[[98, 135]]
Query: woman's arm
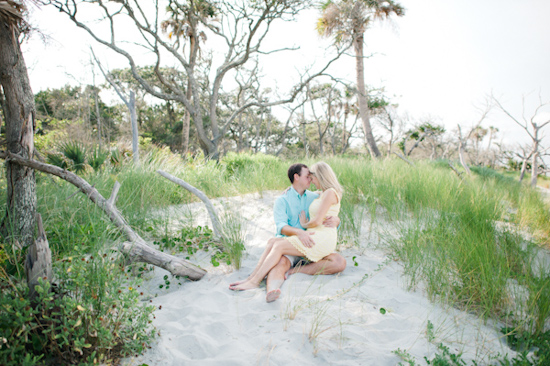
[[328, 199]]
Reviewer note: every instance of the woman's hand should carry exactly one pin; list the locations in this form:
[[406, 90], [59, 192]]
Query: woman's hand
[[303, 219], [331, 221]]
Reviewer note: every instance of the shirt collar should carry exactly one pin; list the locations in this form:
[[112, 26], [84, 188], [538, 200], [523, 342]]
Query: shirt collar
[[295, 192]]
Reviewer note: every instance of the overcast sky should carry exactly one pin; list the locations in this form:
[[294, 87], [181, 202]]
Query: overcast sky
[[442, 59]]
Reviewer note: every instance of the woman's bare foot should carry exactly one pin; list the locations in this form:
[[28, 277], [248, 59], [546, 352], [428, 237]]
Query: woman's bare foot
[[247, 285], [238, 282], [273, 295]]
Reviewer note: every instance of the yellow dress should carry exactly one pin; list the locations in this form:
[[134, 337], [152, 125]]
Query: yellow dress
[[325, 237]]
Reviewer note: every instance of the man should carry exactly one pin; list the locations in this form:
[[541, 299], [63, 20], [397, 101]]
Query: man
[[286, 212]]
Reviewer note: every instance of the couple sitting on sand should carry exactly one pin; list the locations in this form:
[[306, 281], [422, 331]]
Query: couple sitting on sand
[[295, 210]]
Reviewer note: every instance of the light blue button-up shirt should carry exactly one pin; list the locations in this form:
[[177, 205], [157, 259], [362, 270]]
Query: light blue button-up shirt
[[288, 206]]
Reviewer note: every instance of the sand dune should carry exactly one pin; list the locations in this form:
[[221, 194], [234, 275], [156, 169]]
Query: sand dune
[[359, 317]]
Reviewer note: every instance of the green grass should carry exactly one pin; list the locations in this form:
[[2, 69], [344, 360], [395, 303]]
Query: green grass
[[448, 239]]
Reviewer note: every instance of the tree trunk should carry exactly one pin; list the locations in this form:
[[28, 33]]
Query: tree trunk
[[362, 96], [534, 169], [523, 169], [461, 158], [344, 140], [39, 260], [98, 117], [133, 122], [185, 127], [19, 221]]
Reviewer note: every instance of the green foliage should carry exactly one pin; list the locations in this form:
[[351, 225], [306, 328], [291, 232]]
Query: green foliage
[[523, 342], [57, 160], [97, 157], [241, 163], [190, 240], [93, 314], [76, 153], [419, 133], [232, 244], [446, 358]]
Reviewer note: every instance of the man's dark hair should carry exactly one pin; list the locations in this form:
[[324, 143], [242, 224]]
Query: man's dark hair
[[295, 169]]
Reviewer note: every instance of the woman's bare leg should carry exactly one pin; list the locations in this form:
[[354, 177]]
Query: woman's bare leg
[[281, 246], [260, 262]]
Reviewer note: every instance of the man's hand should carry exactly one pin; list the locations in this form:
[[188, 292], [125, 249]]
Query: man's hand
[[331, 221], [306, 239]]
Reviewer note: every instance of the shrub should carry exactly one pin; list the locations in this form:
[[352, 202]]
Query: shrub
[[75, 152], [97, 157], [92, 315]]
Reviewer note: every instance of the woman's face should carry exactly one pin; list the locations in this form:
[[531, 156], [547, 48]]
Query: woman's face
[[315, 181]]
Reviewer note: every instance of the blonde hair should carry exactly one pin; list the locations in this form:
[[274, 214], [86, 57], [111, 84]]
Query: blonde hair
[[326, 177]]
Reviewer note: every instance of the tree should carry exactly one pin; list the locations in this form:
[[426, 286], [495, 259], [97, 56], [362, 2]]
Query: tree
[[241, 29], [347, 20], [419, 134], [130, 102], [328, 95], [184, 23], [393, 123], [71, 113], [533, 128], [19, 113]]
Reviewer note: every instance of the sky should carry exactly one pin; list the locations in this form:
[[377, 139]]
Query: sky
[[440, 61]]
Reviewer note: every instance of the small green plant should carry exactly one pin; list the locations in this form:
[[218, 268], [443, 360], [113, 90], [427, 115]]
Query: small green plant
[[523, 342], [190, 240], [97, 157], [443, 357], [233, 239], [405, 356], [57, 159], [76, 152], [446, 358]]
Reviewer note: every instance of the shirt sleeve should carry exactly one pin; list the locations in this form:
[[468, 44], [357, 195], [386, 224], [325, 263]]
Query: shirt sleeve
[[280, 214]]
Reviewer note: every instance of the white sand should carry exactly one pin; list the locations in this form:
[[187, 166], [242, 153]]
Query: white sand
[[318, 320]]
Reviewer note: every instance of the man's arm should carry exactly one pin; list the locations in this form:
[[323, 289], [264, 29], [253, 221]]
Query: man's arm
[[304, 236], [280, 215]]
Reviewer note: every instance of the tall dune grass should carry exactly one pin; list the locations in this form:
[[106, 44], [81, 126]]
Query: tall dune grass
[[449, 240]]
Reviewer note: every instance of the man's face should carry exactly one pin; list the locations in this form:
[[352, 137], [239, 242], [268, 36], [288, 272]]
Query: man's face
[[304, 179]]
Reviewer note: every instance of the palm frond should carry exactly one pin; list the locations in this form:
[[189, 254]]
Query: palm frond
[[11, 11]]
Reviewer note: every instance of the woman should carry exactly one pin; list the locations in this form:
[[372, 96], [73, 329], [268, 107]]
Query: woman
[[327, 204]]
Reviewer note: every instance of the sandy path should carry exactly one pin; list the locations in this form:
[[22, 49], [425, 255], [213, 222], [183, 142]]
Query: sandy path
[[318, 320]]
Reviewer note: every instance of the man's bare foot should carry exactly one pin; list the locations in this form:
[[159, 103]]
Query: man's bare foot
[[273, 295], [289, 272], [247, 285]]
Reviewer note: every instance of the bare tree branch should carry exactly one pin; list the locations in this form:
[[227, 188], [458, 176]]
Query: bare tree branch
[[136, 248], [218, 231]]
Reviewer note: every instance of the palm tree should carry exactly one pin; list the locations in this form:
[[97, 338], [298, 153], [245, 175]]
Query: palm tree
[[184, 23], [19, 111], [347, 20]]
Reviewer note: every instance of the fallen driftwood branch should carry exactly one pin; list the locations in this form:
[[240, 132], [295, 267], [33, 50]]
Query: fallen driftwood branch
[[459, 174], [218, 232], [404, 158], [137, 249]]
